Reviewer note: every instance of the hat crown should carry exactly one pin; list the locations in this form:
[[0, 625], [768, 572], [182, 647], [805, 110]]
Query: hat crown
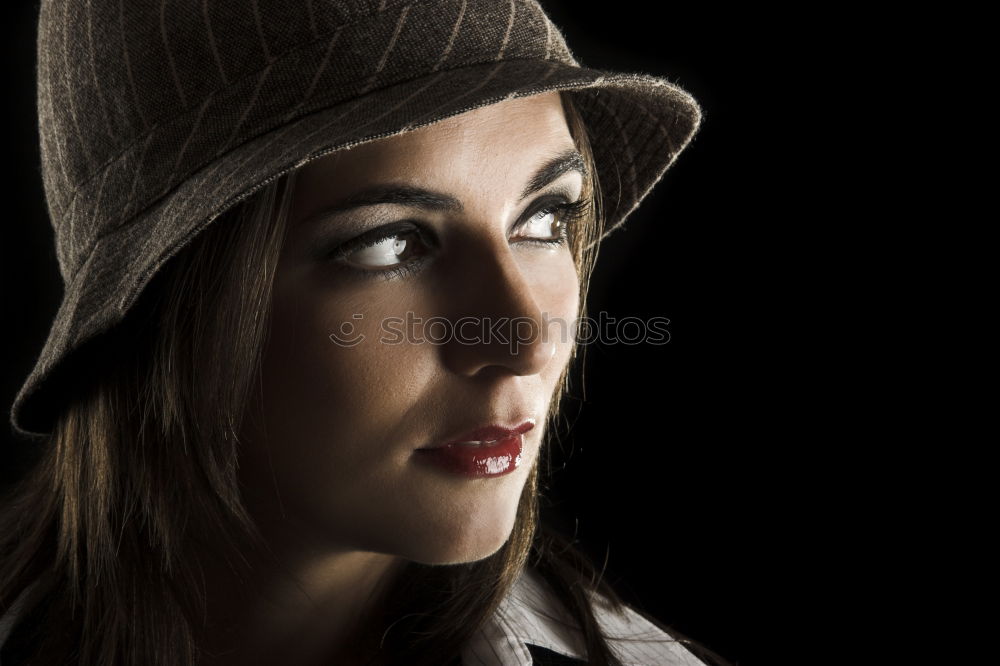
[[134, 97]]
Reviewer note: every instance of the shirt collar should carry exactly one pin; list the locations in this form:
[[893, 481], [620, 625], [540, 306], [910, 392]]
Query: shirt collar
[[530, 614]]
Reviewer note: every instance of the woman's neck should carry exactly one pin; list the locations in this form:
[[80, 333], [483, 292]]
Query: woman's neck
[[301, 610]]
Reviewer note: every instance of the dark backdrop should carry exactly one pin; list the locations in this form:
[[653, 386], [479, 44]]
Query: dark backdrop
[[679, 470]]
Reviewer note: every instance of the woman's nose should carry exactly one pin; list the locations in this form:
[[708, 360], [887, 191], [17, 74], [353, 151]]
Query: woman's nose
[[496, 319]]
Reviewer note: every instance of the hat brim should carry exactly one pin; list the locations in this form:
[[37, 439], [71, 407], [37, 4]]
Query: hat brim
[[638, 125]]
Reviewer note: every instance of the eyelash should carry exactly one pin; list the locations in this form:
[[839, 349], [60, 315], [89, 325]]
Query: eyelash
[[570, 212]]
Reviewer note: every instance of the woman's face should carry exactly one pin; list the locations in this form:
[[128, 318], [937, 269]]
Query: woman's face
[[355, 377]]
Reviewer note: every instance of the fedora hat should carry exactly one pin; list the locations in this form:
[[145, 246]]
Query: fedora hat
[[156, 116]]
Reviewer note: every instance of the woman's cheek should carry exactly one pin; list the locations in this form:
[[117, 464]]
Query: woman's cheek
[[558, 295]]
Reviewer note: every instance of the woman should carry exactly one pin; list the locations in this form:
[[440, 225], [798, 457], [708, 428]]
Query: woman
[[311, 250]]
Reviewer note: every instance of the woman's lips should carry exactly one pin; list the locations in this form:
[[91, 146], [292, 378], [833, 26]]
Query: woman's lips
[[497, 451], [487, 433]]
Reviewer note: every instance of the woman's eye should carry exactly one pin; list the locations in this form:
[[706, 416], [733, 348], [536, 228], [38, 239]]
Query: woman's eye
[[390, 250], [551, 225], [545, 225]]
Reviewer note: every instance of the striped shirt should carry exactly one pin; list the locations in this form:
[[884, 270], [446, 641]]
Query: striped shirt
[[530, 629]]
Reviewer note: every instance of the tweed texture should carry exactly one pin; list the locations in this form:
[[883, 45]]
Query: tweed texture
[[155, 116]]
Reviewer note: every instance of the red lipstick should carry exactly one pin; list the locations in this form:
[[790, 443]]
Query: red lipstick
[[488, 451]]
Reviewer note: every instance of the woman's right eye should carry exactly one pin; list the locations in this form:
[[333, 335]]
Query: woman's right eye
[[387, 251]]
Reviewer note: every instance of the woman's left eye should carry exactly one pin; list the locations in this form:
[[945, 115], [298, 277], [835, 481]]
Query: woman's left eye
[[545, 226], [551, 225]]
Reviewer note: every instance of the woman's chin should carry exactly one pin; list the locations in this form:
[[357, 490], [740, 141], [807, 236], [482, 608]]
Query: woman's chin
[[470, 546]]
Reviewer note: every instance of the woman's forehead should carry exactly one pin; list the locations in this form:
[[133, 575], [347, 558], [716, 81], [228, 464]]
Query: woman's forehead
[[508, 135]]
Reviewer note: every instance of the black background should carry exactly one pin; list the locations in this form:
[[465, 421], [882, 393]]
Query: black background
[[685, 457]]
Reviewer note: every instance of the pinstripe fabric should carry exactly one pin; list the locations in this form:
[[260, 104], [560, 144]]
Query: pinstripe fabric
[[155, 116], [530, 616]]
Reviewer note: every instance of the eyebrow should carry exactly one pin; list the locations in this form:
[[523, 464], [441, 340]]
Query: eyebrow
[[418, 197]]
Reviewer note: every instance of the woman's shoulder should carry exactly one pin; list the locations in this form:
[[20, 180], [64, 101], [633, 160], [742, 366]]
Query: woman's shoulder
[[531, 627]]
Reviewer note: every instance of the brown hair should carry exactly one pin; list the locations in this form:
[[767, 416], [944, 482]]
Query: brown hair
[[140, 471]]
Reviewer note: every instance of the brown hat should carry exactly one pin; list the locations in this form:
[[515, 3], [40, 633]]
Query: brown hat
[[157, 116]]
